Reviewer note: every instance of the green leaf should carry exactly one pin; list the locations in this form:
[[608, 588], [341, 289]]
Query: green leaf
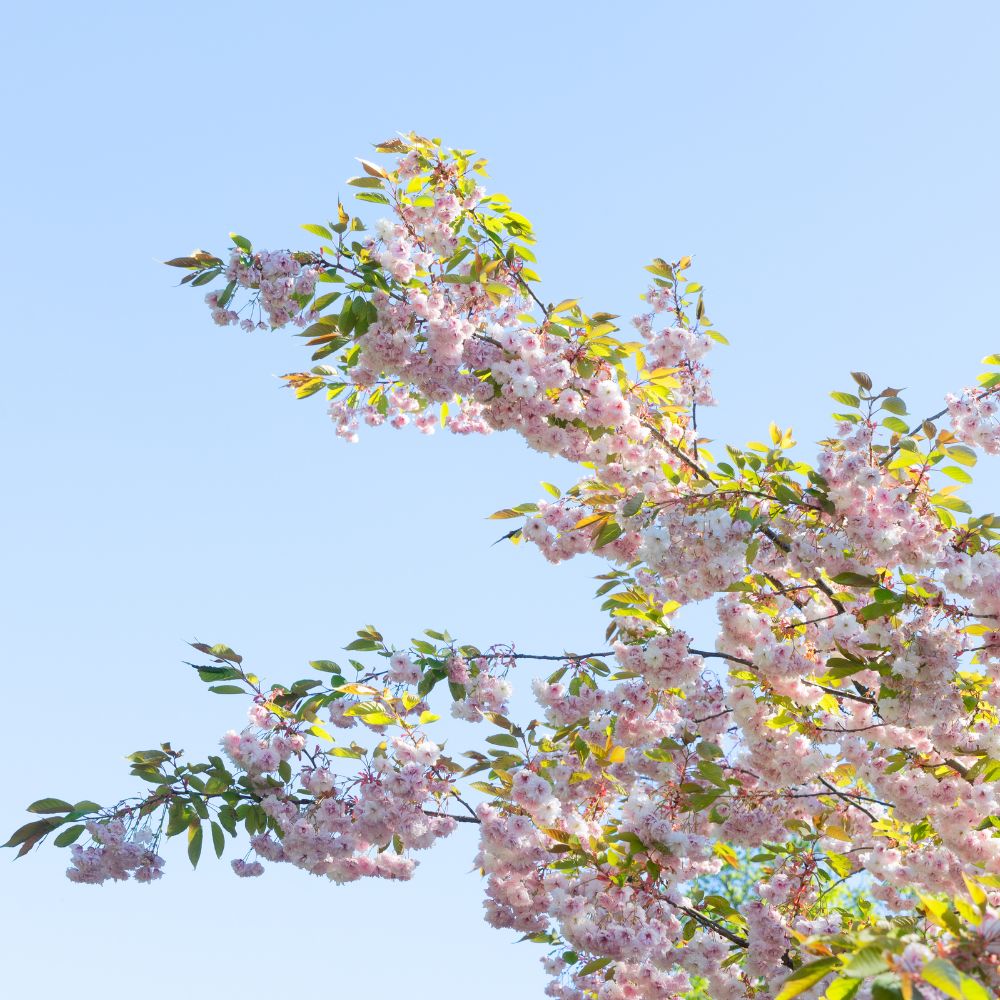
[[375, 196], [30, 834], [225, 297], [228, 820], [177, 818], [894, 405], [951, 503], [69, 835], [906, 456], [21, 834], [632, 505], [950, 981], [223, 652], [328, 666], [847, 398], [242, 242], [842, 989], [837, 666], [887, 987], [713, 773], [869, 961], [895, 424], [485, 787], [212, 674], [808, 975], [879, 609], [311, 227], [365, 182], [608, 533], [954, 472], [227, 689], [363, 645], [839, 863], [195, 836], [323, 301], [50, 806], [377, 719], [962, 454], [218, 839], [593, 965], [502, 740], [854, 580]]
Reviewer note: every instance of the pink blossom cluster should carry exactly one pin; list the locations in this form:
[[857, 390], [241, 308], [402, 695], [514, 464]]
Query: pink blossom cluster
[[554, 532], [247, 869], [259, 756], [486, 687], [455, 341], [678, 348], [280, 282], [768, 939], [342, 831], [114, 856], [693, 555], [973, 416], [511, 851], [881, 519], [641, 712], [846, 713]]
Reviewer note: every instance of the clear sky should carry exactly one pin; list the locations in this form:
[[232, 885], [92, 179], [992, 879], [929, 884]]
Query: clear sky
[[831, 167]]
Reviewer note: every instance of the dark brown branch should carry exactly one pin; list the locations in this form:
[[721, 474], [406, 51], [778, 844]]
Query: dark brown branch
[[678, 452], [864, 699], [785, 547], [715, 926], [786, 959], [457, 819], [706, 654], [538, 656], [963, 771], [849, 799]]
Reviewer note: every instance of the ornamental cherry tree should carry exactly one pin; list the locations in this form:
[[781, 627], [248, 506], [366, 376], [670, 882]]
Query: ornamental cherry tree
[[809, 805]]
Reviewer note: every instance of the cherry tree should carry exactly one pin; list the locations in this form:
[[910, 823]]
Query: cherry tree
[[807, 805]]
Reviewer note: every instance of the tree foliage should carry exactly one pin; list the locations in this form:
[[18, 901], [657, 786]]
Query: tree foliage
[[808, 806]]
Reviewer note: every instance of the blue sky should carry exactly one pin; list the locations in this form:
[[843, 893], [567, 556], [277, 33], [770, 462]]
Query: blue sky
[[831, 168]]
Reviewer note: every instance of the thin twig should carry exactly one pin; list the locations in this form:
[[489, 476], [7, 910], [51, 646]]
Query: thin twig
[[848, 800]]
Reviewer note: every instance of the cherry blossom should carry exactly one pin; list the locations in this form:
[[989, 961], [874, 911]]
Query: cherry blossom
[[805, 804]]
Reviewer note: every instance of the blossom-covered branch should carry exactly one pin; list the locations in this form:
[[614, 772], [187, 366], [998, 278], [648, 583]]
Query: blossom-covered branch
[[812, 805]]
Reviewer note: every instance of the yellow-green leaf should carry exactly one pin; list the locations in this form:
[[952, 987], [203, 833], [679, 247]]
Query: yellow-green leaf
[[195, 836], [809, 975], [953, 983]]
